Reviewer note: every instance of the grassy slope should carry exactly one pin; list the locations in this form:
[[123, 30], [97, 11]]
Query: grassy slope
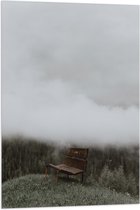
[[37, 191]]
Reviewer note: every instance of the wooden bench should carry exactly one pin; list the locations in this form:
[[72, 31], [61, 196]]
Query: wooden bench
[[75, 162]]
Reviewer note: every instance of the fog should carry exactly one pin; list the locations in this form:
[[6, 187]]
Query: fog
[[70, 73]]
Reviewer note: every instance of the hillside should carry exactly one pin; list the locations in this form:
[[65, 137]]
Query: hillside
[[37, 191]]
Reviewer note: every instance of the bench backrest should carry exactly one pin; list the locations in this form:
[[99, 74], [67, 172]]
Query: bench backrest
[[77, 158]]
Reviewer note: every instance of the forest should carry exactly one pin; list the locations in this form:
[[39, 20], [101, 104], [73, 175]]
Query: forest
[[112, 167]]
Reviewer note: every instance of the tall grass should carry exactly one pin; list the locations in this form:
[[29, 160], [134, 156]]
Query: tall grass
[[117, 180], [115, 168]]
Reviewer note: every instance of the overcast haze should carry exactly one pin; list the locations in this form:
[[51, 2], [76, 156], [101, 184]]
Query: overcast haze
[[70, 72]]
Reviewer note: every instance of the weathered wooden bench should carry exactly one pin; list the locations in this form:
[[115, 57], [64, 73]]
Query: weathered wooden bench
[[75, 163]]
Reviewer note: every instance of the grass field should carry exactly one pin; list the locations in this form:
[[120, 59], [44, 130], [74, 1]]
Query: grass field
[[38, 191]]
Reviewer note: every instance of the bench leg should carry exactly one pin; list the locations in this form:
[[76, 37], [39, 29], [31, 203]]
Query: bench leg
[[82, 177], [57, 173], [46, 172]]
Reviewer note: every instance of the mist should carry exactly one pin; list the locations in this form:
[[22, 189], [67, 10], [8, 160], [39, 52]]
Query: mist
[[70, 78], [54, 111]]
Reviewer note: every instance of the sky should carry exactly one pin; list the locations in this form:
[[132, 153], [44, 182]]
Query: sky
[[70, 72]]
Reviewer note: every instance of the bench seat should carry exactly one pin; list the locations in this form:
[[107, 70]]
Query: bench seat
[[67, 169]]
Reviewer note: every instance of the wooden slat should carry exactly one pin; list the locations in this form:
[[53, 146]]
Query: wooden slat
[[78, 152], [75, 158], [76, 163], [68, 169]]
